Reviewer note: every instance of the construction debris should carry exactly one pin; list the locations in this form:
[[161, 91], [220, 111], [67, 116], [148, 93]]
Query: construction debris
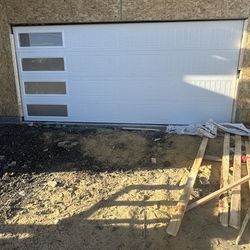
[[67, 144], [52, 184], [153, 160], [218, 193], [233, 128], [175, 222], [224, 181], [208, 130], [247, 217], [247, 144], [235, 210]]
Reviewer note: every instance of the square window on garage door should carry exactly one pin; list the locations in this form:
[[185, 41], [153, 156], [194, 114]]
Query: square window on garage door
[[47, 110], [40, 39], [43, 64], [56, 88]]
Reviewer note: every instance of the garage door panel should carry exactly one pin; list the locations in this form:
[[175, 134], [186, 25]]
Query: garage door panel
[[151, 65], [199, 89], [201, 36], [157, 63], [146, 114]]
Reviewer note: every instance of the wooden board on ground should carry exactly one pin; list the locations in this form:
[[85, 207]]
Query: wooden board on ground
[[247, 143], [235, 209], [175, 222], [243, 227], [218, 193], [223, 201]]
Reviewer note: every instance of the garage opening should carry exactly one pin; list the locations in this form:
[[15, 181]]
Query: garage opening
[[145, 73]]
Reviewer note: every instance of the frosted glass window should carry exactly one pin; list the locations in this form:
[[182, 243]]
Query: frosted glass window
[[40, 39], [43, 64], [45, 87], [47, 110]]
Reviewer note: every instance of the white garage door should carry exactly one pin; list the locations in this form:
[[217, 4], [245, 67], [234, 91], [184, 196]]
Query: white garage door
[[150, 73]]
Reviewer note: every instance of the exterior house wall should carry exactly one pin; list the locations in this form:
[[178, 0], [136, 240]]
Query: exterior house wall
[[74, 11], [8, 99]]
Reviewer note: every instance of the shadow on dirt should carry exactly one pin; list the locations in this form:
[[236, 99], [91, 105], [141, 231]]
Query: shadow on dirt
[[30, 154], [77, 232]]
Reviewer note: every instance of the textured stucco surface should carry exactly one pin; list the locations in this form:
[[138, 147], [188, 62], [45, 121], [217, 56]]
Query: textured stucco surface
[[56, 11], [8, 100], [184, 9], [73, 11]]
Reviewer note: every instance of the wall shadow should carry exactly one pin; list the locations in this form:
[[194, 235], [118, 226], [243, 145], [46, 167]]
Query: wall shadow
[[83, 232]]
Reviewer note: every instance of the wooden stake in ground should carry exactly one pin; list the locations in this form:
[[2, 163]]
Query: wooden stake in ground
[[176, 219], [235, 209], [247, 144], [218, 193], [223, 202], [247, 217], [243, 227]]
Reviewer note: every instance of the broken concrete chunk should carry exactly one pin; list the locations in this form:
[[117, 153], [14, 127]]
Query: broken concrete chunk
[[157, 139], [22, 193], [153, 160], [67, 144], [204, 181], [12, 164], [52, 183], [196, 193]]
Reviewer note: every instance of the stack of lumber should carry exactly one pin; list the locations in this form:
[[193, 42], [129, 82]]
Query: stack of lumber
[[229, 193]]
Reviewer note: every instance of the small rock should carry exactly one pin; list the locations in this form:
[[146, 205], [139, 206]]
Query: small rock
[[204, 181], [153, 160], [46, 150], [52, 183], [67, 144], [6, 177], [157, 139], [146, 197], [12, 164], [22, 193], [24, 166], [196, 193], [56, 221]]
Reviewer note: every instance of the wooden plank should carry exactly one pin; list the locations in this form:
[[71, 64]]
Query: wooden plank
[[218, 193], [243, 227], [223, 201], [247, 144], [175, 222], [235, 209]]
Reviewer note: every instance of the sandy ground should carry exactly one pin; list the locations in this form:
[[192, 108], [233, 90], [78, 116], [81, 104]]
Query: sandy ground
[[65, 188]]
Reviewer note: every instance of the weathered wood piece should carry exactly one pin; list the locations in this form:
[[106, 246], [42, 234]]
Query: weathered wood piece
[[235, 209], [218, 193], [175, 222], [223, 201], [243, 227], [247, 144]]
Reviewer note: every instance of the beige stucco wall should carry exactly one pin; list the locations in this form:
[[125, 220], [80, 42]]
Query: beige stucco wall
[[57, 11], [8, 100]]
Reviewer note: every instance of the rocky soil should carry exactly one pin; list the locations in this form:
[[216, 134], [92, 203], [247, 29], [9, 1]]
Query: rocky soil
[[86, 188]]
